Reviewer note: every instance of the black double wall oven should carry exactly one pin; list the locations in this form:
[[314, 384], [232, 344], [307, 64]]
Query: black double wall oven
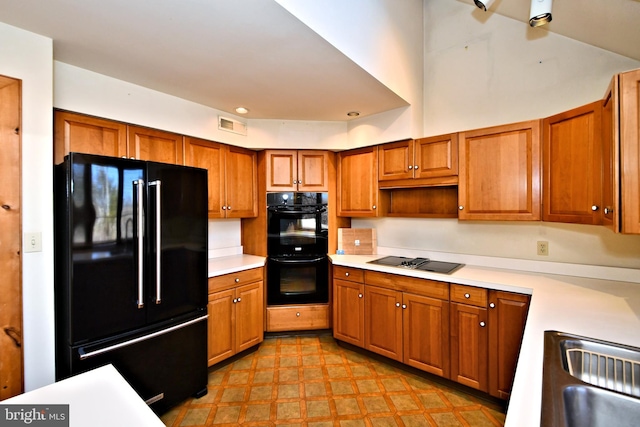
[[297, 262]]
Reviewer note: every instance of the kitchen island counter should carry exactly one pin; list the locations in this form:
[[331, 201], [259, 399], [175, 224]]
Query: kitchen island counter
[[592, 307]]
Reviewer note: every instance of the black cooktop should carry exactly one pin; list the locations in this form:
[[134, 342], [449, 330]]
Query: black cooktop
[[424, 264]]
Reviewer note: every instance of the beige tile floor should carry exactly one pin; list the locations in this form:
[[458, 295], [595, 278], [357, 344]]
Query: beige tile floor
[[311, 381]]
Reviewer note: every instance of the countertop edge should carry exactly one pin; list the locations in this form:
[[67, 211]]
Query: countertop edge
[[233, 264]]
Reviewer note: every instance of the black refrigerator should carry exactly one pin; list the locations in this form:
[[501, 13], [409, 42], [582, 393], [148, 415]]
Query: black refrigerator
[[131, 274]]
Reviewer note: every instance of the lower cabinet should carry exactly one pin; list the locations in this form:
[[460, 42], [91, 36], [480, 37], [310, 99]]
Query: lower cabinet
[[297, 317], [383, 321], [348, 311], [469, 345], [236, 313]]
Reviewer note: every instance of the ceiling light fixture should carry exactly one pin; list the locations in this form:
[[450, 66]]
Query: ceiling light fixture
[[241, 110], [540, 12], [483, 4], [353, 113]]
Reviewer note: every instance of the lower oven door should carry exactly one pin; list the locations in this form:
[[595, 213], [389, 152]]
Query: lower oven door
[[297, 281]]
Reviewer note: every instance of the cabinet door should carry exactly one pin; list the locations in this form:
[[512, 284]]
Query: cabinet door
[[395, 161], [358, 182], [500, 173], [241, 182], [89, 135], [469, 341], [282, 171], [507, 317], [313, 171], [383, 322], [572, 166], [348, 312], [630, 151], [610, 158], [426, 334], [155, 145], [210, 156], [221, 325], [249, 316], [436, 156]]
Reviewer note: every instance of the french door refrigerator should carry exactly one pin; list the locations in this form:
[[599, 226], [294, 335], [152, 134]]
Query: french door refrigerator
[[131, 274]]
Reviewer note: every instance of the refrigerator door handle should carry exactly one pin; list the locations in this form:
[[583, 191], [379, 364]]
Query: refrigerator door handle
[[158, 185], [140, 223], [107, 349]]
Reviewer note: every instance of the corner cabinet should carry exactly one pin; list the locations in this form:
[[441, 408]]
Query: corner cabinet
[[500, 173], [232, 177], [358, 194], [236, 313], [297, 170]]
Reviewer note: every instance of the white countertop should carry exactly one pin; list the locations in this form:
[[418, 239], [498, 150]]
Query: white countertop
[[98, 398], [234, 263], [595, 308]]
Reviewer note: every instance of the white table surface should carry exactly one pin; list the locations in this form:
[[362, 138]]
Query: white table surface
[[98, 398]]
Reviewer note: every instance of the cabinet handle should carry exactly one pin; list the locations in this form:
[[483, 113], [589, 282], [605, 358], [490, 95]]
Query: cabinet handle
[[482, 324], [346, 274], [594, 208], [374, 206], [492, 305], [224, 208], [397, 304], [228, 208], [359, 295], [298, 314], [415, 167], [235, 300], [460, 207], [467, 296], [607, 211], [410, 167], [239, 299], [404, 306], [237, 280]]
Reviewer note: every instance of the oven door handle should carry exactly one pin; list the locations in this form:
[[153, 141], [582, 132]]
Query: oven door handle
[[297, 261]]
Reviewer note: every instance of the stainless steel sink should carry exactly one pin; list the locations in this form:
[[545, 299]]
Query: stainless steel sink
[[589, 382]]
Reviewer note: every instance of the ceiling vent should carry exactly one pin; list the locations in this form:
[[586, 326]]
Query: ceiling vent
[[231, 125]]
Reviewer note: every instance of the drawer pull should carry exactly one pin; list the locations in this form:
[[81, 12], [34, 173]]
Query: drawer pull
[[467, 296], [237, 280], [298, 314], [346, 274]]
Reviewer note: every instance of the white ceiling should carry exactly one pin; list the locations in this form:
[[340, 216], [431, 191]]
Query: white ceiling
[[254, 53]]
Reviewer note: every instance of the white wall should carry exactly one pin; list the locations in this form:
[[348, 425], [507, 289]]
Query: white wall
[[483, 69], [27, 56]]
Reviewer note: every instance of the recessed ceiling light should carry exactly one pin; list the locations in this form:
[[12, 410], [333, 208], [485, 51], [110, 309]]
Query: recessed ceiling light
[[353, 113], [241, 110]]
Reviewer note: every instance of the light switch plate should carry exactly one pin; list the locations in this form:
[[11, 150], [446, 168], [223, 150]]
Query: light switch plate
[[32, 242]]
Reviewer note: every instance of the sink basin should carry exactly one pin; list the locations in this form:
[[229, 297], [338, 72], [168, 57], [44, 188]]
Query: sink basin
[[589, 382]]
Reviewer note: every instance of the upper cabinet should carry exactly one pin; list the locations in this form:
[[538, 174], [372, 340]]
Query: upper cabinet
[[155, 145], [421, 162], [232, 177], [297, 170], [90, 135], [572, 166], [358, 193], [500, 173]]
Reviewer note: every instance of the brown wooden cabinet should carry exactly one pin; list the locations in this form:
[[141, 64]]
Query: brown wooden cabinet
[[572, 166], [348, 305], [155, 145], [236, 313], [499, 177], [297, 170], [232, 177], [421, 162], [383, 321], [507, 317], [85, 134], [297, 317], [358, 194]]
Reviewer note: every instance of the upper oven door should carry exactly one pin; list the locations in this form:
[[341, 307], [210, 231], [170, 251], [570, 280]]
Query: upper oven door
[[297, 231]]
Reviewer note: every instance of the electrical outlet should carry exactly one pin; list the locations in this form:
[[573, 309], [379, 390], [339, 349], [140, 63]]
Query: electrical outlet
[[543, 248], [357, 242]]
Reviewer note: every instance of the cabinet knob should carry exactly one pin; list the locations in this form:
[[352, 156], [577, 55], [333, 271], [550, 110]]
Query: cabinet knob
[[410, 167], [482, 324], [228, 208], [359, 295], [397, 304], [346, 274], [224, 208], [415, 167], [460, 207], [374, 206], [404, 306], [239, 299], [594, 208], [235, 300], [492, 305], [607, 211], [298, 314], [467, 296], [237, 280]]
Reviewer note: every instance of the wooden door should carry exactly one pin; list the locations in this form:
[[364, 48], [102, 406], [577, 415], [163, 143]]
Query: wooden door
[[221, 326], [572, 166], [426, 334], [500, 173], [249, 316], [395, 160], [313, 171], [90, 135], [282, 170], [241, 182], [507, 317], [610, 158], [383, 321], [358, 182], [210, 156], [348, 312], [630, 151], [469, 341], [436, 156], [11, 356], [155, 145]]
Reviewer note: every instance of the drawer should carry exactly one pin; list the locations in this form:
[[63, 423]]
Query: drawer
[[297, 317], [348, 273], [469, 295], [424, 287], [232, 280]]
